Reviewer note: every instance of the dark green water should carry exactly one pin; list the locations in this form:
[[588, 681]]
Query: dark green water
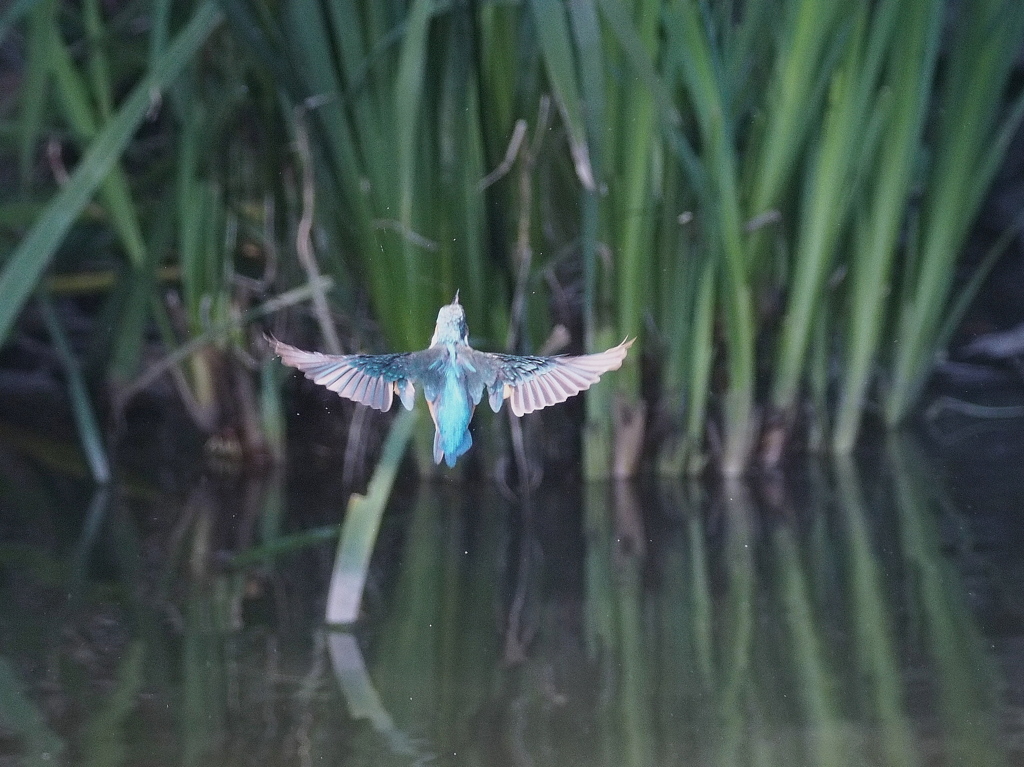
[[846, 614]]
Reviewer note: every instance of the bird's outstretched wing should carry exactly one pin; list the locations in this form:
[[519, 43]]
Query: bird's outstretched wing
[[370, 379], [535, 382]]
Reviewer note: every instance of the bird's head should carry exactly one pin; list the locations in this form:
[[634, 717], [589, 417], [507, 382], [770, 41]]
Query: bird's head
[[451, 324]]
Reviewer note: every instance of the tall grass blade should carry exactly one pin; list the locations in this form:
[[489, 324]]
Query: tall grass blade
[[801, 50], [98, 65], [272, 411], [35, 85], [77, 104], [160, 23], [586, 33], [560, 63], [409, 94], [632, 218], [136, 295], [701, 363], [89, 433], [701, 72], [909, 74]]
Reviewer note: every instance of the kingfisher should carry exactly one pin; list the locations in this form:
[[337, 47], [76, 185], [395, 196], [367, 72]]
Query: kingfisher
[[454, 377]]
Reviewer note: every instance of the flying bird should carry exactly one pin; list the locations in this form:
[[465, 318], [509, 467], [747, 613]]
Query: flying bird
[[454, 377]]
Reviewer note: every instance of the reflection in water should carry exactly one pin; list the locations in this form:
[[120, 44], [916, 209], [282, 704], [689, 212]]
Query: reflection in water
[[821, 621]]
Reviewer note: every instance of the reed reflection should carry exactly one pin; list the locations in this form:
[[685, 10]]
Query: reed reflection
[[818, 622]]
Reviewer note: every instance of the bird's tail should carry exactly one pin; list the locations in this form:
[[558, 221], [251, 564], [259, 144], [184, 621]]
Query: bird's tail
[[451, 455]]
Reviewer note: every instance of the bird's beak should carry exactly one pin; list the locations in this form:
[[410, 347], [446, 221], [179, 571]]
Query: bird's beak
[[456, 296]]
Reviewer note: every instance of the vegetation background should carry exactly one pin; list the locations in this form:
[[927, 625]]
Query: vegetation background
[[772, 195]]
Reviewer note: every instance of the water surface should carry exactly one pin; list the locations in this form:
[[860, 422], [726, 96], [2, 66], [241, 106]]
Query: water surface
[[861, 612]]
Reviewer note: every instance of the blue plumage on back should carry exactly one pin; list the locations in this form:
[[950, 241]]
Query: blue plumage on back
[[454, 377], [452, 411]]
